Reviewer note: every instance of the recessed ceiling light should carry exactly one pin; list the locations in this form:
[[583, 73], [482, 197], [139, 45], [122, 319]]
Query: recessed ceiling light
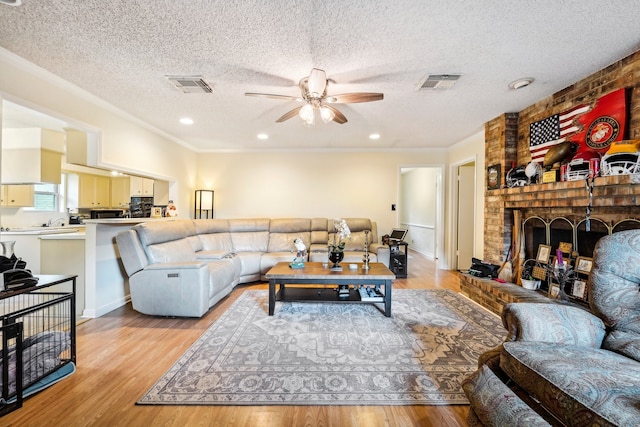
[[520, 83], [186, 121], [263, 136], [374, 136]]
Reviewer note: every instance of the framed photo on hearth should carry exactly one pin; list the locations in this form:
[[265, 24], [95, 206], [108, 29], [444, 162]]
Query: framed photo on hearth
[[584, 265], [565, 247], [544, 251], [554, 290], [579, 289]]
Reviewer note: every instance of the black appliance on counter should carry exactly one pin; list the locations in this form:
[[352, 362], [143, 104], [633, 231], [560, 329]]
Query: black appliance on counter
[[106, 213], [140, 207]]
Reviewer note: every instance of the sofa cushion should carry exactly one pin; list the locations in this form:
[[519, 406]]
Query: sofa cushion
[[249, 235], [164, 231], [579, 385], [289, 225], [494, 404], [357, 224], [283, 242], [206, 226], [613, 290], [355, 242], [175, 251], [221, 274], [216, 242]]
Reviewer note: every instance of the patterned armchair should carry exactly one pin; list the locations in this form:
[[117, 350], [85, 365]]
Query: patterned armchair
[[565, 365]]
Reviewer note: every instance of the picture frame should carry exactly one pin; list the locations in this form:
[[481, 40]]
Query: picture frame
[[544, 252], [579, 289], [554, 290], [565, 247], [156, 212], [584, 265], [493, 177]]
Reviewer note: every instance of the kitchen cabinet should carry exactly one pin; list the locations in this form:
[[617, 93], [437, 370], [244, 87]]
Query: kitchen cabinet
[[60, 254], [120, 192], [140, 186], [17, 195], [31, 155], [93, 191]]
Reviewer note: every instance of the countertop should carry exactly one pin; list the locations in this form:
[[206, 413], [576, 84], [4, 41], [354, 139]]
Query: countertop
[[79, 235], [125, 220], [44, 231]]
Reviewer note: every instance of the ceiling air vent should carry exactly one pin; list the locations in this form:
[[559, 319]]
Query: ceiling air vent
[[438, 81], [190, 84]]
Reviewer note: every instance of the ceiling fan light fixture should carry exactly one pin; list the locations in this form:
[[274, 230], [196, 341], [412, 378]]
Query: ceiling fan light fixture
[[326, 114], [306, 113]]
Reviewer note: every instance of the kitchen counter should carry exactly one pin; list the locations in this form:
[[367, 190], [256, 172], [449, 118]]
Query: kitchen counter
[[107, 286], [41, 231], [124, 221], [77, 235]]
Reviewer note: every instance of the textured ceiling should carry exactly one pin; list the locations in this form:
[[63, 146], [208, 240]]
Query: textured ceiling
[[121, 51]]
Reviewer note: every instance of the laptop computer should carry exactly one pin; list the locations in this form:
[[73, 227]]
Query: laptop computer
[[398, 234]]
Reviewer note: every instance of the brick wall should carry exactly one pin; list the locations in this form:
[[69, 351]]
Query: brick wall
[[507, 142]]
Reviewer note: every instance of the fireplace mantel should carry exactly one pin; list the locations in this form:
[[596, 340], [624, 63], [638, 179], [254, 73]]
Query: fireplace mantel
[[608, 191]]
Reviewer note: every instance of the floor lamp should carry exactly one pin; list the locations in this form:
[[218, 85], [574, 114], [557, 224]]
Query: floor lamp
[[203, 203]]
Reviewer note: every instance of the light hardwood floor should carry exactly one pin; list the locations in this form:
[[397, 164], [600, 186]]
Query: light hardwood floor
[[121, 355]]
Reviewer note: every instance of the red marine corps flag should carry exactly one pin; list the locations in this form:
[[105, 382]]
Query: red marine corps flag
[[604, 124], [593, 126]]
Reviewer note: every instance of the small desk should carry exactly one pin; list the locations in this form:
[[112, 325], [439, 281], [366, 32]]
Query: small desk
[[314, 273]]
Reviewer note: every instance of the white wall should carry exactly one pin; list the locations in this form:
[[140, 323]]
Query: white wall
[[309, 184]]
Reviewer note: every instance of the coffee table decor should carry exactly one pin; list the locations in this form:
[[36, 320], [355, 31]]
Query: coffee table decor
[[336, 250], [333, 354], [301, 254]]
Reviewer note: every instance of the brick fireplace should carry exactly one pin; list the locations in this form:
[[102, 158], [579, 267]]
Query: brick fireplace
[[615, 203]]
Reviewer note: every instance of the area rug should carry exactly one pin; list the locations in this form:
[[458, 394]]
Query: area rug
[[333, 354]]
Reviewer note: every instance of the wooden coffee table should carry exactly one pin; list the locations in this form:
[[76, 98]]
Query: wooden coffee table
[[314, 276]]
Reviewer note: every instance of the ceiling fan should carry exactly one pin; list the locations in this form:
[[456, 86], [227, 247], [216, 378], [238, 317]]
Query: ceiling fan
[[314, 96]]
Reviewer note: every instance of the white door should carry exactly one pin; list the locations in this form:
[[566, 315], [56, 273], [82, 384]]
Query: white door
[[466, 217]]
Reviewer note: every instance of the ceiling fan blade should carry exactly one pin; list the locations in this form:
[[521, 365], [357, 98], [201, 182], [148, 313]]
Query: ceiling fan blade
[[290, 114], [268, 95], [352, 98], [317, 82], [339, 117]]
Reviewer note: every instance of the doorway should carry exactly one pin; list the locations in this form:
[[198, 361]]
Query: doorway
[[420, 208]]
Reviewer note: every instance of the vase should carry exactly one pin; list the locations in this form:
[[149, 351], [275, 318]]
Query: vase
[[7, 248], [335, 258]]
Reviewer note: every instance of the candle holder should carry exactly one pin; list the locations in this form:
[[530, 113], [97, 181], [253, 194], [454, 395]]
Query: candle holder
[[365, 258]]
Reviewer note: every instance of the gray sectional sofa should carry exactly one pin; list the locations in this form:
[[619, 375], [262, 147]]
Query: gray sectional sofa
[[183, 267]]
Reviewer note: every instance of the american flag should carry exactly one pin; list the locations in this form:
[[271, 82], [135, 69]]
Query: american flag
[[553, 130]]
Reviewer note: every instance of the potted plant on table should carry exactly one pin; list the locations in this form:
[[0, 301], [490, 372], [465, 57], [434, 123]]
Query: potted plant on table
[[336, 249]]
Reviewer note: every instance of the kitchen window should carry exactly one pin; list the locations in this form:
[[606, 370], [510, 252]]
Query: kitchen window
[[47, 197]]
